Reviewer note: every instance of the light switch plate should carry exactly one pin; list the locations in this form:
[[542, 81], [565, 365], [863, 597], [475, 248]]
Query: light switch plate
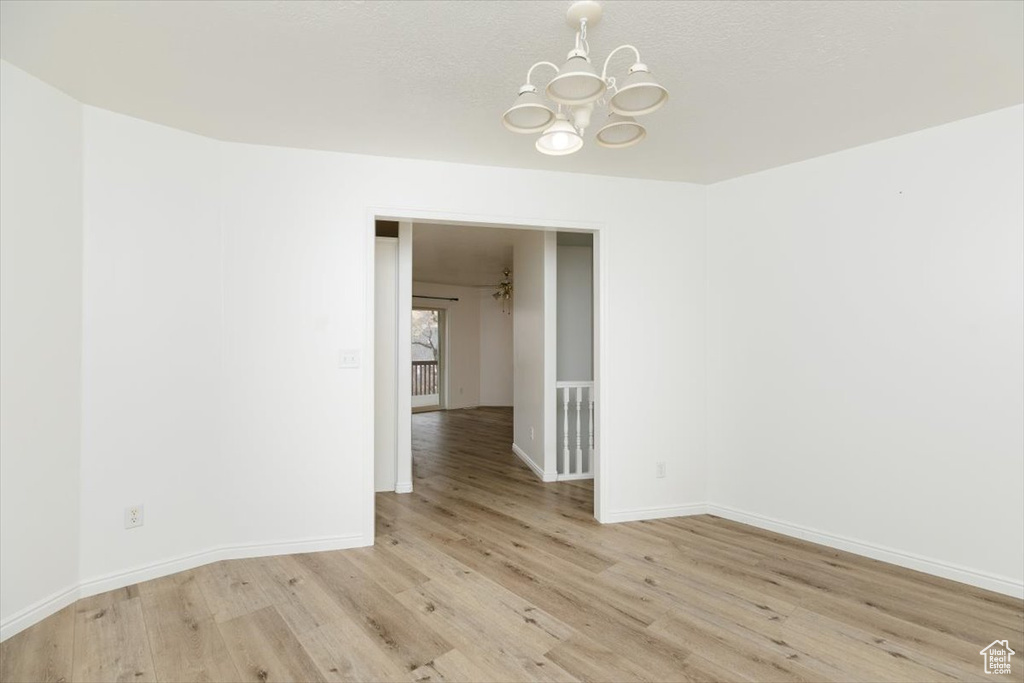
[[349, 358]]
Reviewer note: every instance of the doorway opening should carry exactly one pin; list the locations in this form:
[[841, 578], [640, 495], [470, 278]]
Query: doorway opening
[[552, 412], [427, 332]]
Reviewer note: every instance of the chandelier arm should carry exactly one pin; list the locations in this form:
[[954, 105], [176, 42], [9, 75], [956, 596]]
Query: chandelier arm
[[529, 74], [604, 71]]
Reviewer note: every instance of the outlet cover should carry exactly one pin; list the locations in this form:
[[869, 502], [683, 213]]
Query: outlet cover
[[133, 516], [349, 358], [659, 470]]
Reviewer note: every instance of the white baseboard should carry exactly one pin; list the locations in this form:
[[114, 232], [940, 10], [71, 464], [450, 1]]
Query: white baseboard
[[533, 466], [574, 477], [403, 487], [639, 514], [37, 612], [946, 570]]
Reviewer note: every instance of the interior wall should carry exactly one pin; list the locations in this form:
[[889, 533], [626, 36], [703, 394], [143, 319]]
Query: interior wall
[[403, 369], [154, 349], [575, 337], [463, 339], [551, 354], [496, 371], [385, 357], [528, 346], [40, 346], [866, 381]]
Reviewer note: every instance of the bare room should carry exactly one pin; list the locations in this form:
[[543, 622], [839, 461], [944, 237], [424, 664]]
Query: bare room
[[511, 340]]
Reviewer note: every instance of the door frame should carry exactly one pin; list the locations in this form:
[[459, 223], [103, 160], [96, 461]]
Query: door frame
[[405, 217]]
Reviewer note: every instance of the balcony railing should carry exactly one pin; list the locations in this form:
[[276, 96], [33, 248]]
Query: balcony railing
[[424, 377]]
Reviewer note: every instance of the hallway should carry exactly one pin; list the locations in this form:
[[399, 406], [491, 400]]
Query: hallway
[[485, 574]]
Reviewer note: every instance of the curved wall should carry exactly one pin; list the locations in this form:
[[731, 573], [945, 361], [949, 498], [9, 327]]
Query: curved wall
[[40, 345]]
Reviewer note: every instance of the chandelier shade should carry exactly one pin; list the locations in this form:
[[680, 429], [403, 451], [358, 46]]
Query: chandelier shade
[[576, 83], [559, 139], [528, 114], [620, 131], [639, 94]]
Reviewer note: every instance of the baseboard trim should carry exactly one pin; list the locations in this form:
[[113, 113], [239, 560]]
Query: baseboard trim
[[36, 612], [574, 477], [532, 465], [44, 608], [945, 570], [641, 514], [403, 487]]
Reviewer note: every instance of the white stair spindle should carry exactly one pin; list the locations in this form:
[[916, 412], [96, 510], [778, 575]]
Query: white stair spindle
[[565, 430], [590, 450], [579, 447]]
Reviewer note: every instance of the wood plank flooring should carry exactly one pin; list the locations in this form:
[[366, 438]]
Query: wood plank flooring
[[485, 574]]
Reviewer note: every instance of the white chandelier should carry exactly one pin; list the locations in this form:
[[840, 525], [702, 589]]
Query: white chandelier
[[576, 89]]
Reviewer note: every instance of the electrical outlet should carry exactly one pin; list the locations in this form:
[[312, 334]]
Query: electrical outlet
[[349, 358], [659, 469], [531, 433], [132, 516]]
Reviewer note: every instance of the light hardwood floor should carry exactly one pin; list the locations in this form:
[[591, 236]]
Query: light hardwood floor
[[484, 574]]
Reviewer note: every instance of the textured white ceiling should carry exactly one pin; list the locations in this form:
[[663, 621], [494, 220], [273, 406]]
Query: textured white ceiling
[[460, 255], [753, 84]]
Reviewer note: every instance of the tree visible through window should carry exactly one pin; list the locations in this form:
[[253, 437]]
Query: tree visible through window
[[425, 335]]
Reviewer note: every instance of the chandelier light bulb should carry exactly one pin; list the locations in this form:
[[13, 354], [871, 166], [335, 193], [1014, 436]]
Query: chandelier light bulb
[[559, 139]]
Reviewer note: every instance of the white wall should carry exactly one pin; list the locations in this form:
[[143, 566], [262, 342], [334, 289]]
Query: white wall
[[528, 347], [403, 370], [385, 354], [326, 198], [496, 326], [463, 338], [294, 273], [153, 352], [575, 313], [864, 348], [40, 346]]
